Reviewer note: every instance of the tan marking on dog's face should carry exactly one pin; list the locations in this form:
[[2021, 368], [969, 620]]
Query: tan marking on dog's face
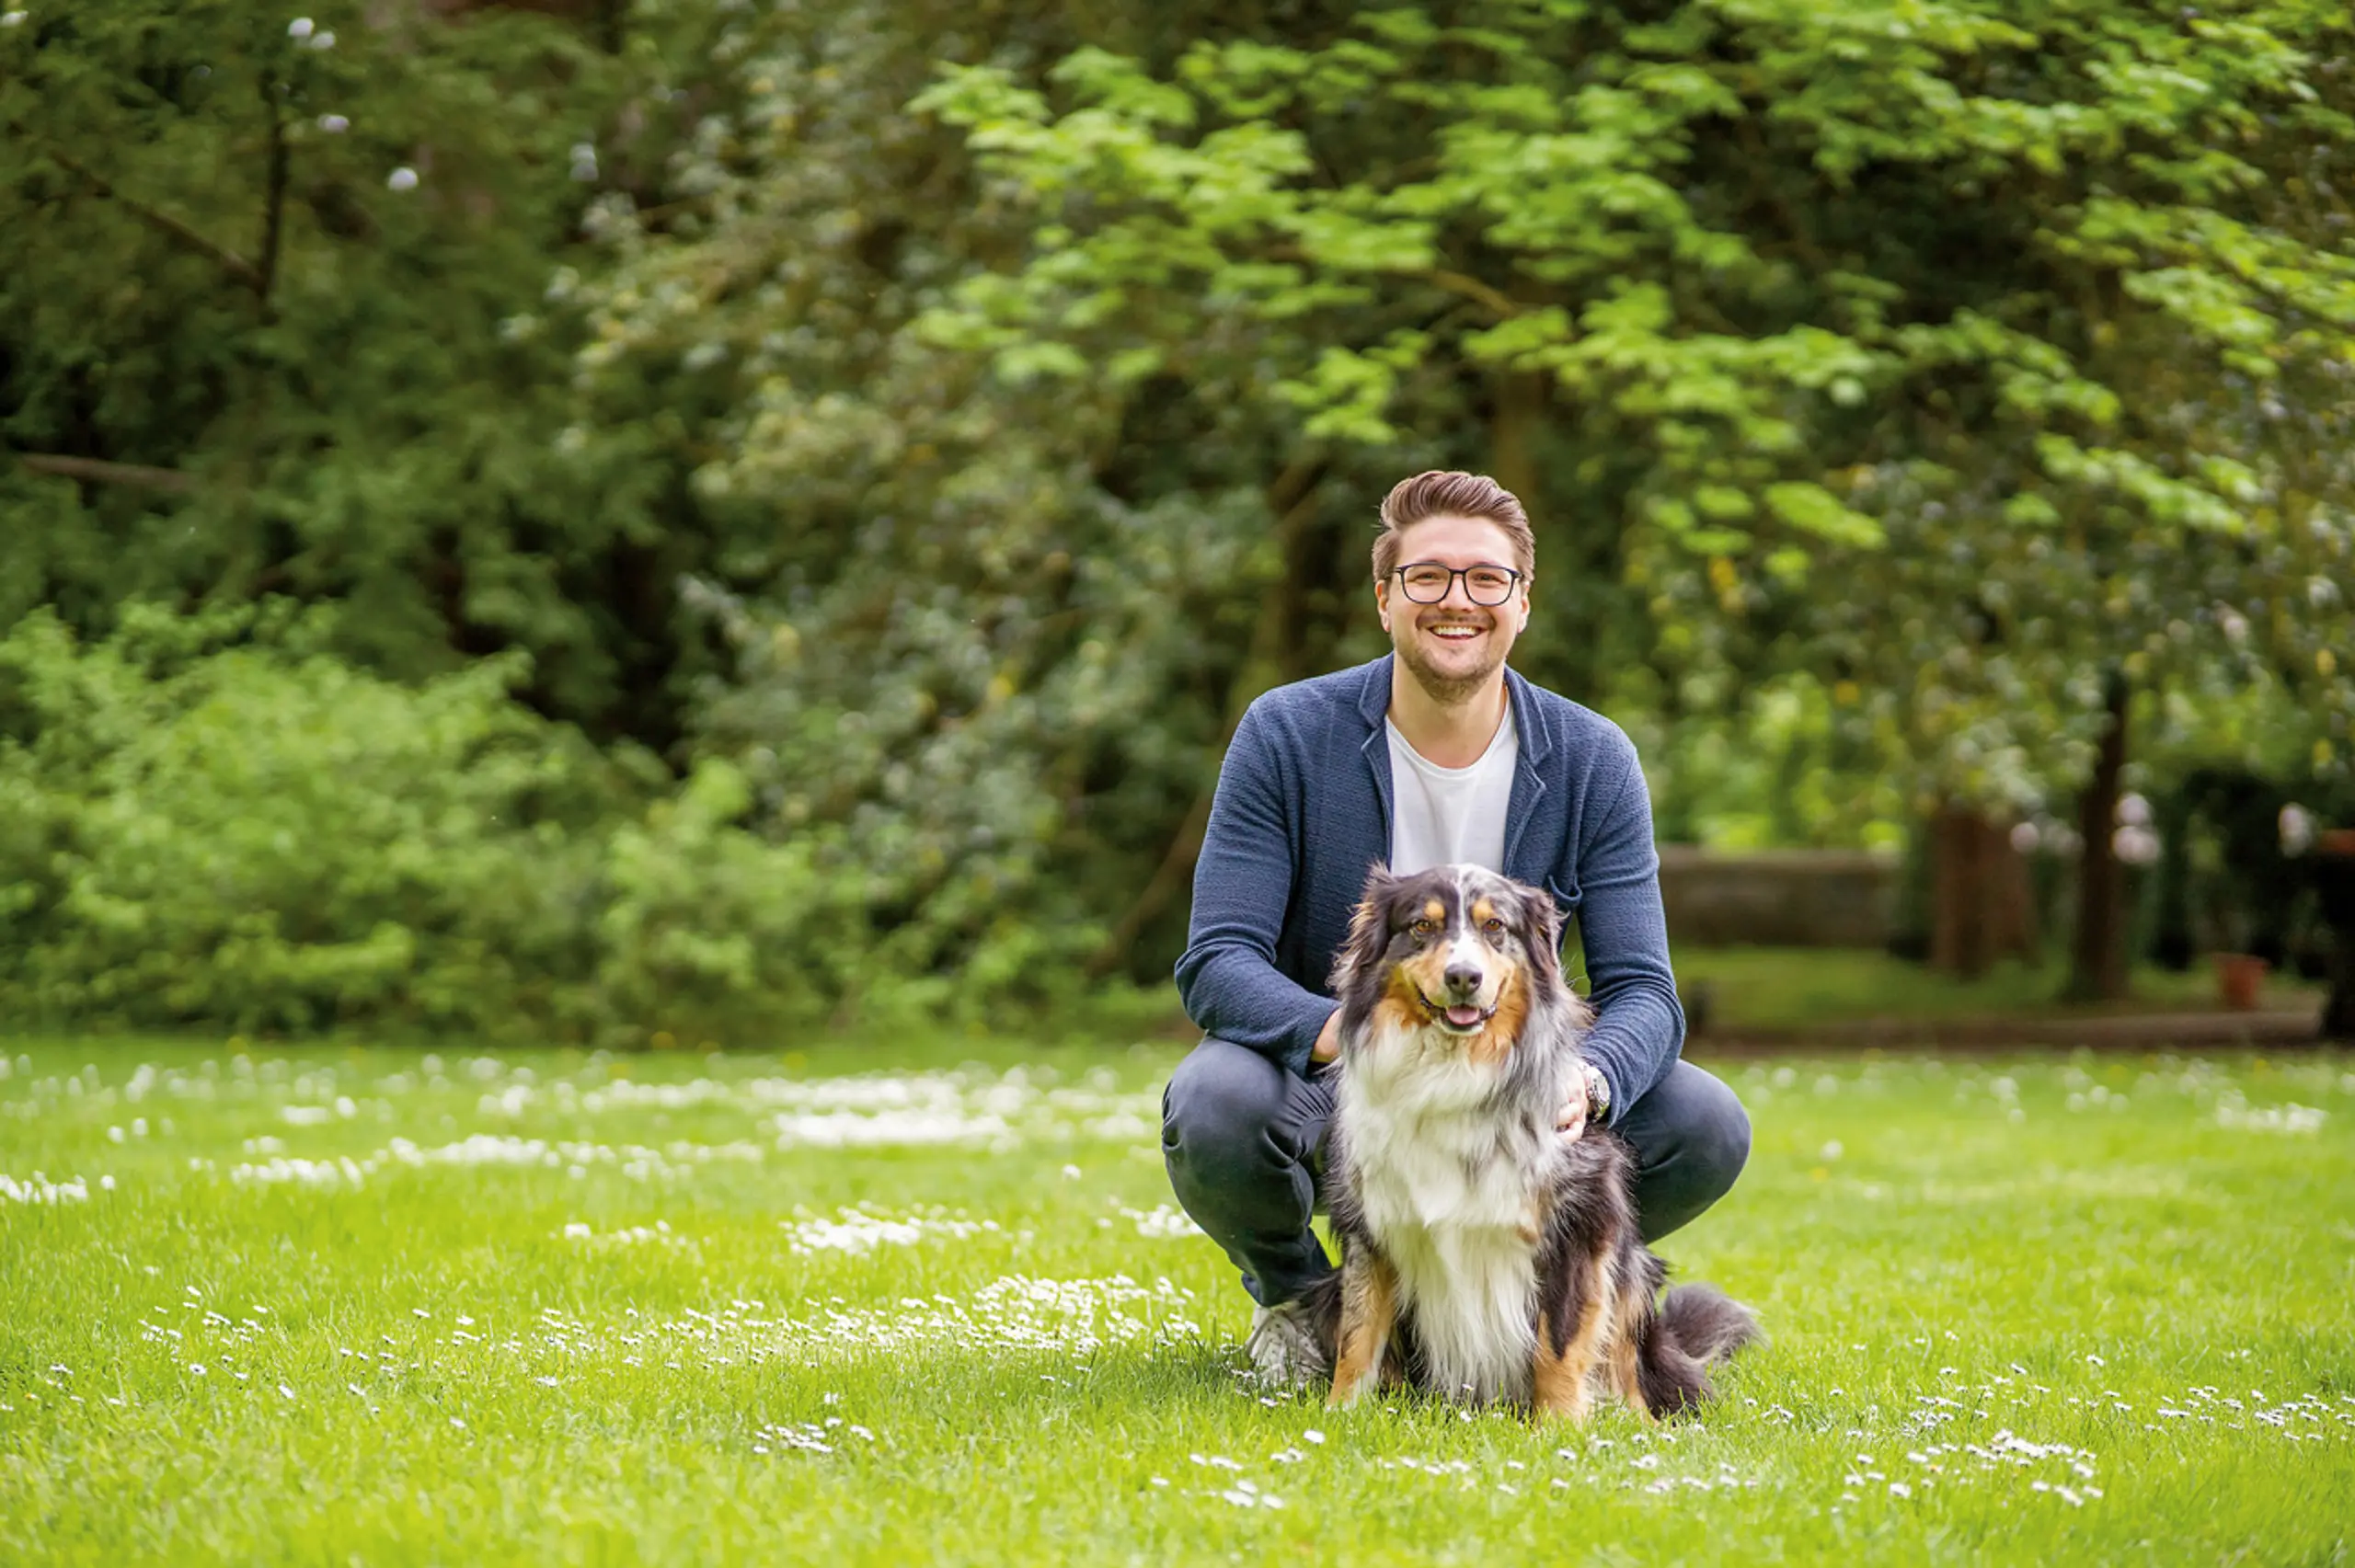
[[1425, 971], [1452, 919], [1497, 1038], [1401, 1008]]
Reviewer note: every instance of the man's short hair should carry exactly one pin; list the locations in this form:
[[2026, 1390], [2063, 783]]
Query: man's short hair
[[1450, 493]]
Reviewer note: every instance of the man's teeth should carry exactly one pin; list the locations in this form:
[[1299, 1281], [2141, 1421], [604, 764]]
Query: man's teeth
[[1455, 633]]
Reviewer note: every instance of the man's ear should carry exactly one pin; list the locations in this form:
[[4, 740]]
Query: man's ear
[[1369, 929]]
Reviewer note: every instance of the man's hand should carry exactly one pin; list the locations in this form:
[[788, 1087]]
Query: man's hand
[[1570, 1120], [1329, 1039]]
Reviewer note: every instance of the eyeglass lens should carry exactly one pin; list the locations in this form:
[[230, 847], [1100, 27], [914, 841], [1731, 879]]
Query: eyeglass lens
[[1427, 582]]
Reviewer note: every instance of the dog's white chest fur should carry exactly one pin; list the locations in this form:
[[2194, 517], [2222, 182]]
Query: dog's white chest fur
[[1445, 1186]]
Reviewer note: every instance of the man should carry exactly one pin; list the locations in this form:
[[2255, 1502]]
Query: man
[[1434, 754]]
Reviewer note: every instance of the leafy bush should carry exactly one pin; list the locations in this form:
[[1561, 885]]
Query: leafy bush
[[704, 923], [211, 820]]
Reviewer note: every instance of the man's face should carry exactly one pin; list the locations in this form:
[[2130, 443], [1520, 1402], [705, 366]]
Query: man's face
[[1452, 648]]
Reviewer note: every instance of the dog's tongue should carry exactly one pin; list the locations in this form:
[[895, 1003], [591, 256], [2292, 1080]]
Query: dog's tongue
[[1463, 1017]]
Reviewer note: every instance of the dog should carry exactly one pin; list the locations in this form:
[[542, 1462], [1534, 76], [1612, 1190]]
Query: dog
[[1484, 1259]]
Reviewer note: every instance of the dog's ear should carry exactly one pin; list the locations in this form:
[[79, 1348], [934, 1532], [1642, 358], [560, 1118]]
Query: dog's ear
[[1543, 921], [1369, 928]]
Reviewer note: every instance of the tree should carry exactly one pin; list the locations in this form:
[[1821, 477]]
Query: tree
[[1988, 305], [1000, 625], [270, 324]]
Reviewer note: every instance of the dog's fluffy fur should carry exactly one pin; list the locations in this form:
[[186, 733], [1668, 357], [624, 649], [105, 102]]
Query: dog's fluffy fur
[[1482, 1258]]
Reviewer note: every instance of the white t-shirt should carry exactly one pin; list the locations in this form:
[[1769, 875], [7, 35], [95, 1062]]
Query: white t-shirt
[[1450, 815]]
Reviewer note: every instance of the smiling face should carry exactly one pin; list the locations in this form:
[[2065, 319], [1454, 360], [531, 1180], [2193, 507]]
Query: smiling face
[[1454, 647], [1457, 953]]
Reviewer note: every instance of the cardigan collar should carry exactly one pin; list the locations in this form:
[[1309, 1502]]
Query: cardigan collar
[[1373, 705], [1535, 741]]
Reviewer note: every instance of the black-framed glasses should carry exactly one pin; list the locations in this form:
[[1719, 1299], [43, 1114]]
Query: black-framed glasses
[[1428, 582]]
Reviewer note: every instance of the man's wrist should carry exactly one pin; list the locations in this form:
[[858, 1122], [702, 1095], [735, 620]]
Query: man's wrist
[[1598, 1094]]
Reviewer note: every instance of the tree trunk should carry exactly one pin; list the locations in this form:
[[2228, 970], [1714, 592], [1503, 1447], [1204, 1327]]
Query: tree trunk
[[1514, 420], [2097, 970], [1275, 642], [1983, 908]]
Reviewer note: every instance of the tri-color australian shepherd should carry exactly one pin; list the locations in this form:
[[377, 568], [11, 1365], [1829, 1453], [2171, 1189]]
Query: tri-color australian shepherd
[[1482, 1258]]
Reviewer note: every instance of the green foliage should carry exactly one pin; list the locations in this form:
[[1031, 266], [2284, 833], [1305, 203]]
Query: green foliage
[[215, 821], [706, 925], [312, 343], [926, 426], [1822, 284], [995, 624]]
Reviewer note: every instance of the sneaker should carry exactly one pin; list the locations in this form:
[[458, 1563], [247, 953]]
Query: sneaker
[[1282, 1344]]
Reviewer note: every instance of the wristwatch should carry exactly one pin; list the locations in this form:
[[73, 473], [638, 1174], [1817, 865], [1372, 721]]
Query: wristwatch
[[1598, 1094]]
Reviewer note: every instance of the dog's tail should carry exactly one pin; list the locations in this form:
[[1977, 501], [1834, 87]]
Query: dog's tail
[[1698, 1327], [1707, 1324]]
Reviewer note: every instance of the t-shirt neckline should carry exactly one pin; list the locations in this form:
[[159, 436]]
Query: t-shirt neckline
[[1495, 743]]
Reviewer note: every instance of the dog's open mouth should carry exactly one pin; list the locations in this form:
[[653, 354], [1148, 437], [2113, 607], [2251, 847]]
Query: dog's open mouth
[[1459, 1020]]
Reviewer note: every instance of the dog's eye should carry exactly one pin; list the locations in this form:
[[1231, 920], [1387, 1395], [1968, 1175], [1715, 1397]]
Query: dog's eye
[[1422, 930], [1493, 926]]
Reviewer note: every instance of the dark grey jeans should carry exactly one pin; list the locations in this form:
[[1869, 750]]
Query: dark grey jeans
[[1243, 1142]]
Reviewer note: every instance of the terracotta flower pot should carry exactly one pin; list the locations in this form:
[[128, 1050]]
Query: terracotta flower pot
[[2238, 978]]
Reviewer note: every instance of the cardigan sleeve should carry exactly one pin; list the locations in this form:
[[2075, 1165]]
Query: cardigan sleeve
[[1227, 976], [1639, 1027]]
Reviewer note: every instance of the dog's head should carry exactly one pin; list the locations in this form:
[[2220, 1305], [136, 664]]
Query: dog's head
[[1458, 952]]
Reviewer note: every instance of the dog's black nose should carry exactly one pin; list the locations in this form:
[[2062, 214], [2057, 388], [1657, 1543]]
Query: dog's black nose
[[1463, 977]]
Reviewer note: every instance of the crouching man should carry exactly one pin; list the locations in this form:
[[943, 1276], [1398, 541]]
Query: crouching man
[[1435, 754]]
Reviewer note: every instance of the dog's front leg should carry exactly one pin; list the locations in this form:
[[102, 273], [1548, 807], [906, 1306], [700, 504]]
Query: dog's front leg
[[1571, 1333], [1369, 1310]]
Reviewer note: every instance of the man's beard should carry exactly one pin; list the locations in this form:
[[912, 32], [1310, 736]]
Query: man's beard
[[1447, 690]]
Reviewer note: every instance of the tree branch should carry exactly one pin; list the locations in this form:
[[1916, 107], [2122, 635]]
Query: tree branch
[[1498, 302], [235, 266], [274, 203], [95, 470], [1495, 301]]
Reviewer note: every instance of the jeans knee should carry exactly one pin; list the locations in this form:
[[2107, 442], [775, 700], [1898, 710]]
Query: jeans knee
[[1720, 1145], [1218, 1103]]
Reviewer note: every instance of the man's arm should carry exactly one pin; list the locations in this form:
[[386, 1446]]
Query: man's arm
[[1639, 1025], [1227, 976]]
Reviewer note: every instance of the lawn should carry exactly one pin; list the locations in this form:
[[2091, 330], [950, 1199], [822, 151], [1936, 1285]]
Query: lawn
[[1793, 988], [894, 1301]]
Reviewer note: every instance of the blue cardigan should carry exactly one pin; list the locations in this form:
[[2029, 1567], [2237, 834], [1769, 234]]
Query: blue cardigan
[[1302, 808]]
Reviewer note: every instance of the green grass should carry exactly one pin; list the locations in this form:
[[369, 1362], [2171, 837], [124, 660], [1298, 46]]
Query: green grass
[[1784, 988], [588, 1335]]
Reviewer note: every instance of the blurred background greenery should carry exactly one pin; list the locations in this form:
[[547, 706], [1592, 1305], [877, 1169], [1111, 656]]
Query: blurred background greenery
[[624, 520]]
